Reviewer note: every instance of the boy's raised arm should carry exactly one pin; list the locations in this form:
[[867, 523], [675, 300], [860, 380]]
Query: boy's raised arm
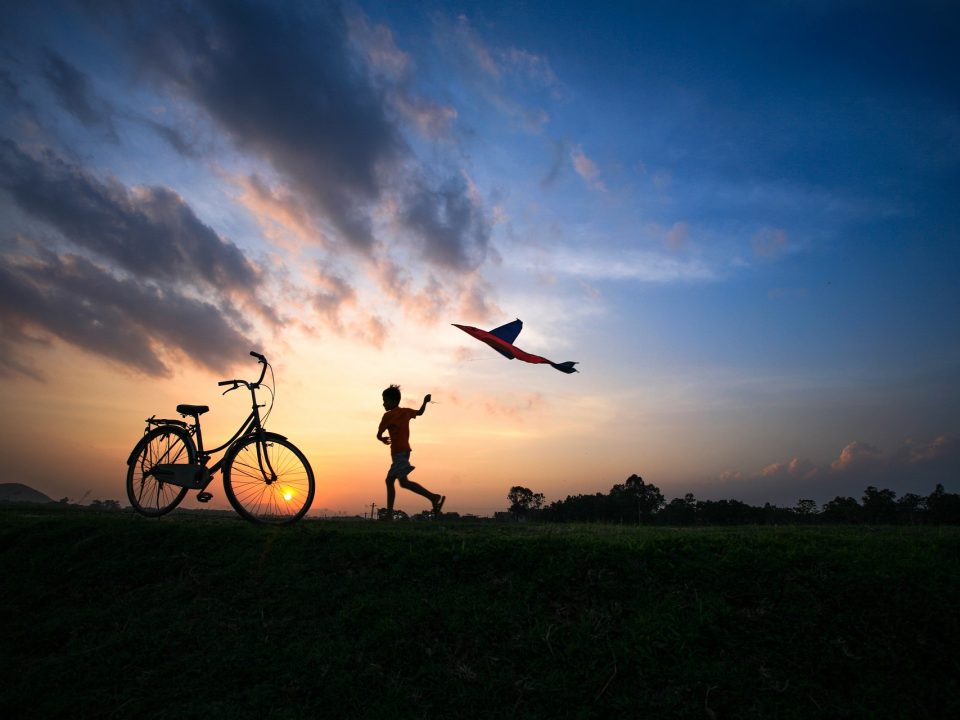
[[426, 399]]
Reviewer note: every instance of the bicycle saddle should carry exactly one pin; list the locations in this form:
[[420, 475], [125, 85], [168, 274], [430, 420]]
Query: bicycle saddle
[[194, 410]]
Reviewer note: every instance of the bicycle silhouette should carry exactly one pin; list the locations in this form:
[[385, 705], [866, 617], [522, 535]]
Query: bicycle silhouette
[[267, 479]]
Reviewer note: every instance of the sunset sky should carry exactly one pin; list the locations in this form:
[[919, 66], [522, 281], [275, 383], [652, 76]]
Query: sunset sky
[[741, 219]]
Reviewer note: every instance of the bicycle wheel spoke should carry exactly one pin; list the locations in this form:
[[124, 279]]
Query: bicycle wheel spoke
[[147, 494], [269, 482]]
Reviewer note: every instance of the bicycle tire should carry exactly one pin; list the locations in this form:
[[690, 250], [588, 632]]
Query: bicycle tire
[[163, 444], [280, 499]]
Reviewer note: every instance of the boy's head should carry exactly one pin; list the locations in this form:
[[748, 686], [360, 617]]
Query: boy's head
[[391, 397]]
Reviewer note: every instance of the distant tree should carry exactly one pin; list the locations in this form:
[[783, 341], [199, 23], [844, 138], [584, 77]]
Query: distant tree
[[773, 515], [728, 512], [64, 500], [634, 499], [879, 505], [524, 501], [680, 511], [943, 507], [805, 508], [842, 510], [911, 509]]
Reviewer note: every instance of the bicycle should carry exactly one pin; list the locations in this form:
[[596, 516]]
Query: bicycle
[[267, 479]]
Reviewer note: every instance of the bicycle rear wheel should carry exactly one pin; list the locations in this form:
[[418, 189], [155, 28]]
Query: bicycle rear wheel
[[163, 444], [268, 482]]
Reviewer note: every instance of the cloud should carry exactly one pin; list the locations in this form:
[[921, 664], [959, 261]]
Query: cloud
[[534, 67], [174, 138], [677, 237], [468, 298], [482, 56], [857, 456], [150, 232], [132, 274], [770, 243], [448, 223], [651, 267], [379, 48], [586, 169], [431, 119], [75, 94], [287, 86], [559, 153], [330, 295], [499, 62], [314, 103], [498, 74], [914, 466], [136, 324], [395, 69], [516, 408], [280, 213], [283, 83]]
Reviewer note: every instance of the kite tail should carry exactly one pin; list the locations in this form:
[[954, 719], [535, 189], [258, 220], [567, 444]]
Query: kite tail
[[565, 367]]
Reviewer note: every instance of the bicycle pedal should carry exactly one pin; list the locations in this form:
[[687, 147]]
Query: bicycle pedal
[[204, 497]]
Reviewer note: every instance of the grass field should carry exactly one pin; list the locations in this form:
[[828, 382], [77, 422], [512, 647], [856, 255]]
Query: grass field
[[112, 615]]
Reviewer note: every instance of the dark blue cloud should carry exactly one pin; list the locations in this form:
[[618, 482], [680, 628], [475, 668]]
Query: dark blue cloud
[[151, 232], [74, 91], [150, 278], [282, 82], [133, 323], [285, 84]]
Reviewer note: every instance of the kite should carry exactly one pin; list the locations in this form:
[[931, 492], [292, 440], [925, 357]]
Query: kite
[[501, 339]]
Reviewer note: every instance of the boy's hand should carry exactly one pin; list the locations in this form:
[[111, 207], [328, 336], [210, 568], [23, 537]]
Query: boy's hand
[[384, 440]]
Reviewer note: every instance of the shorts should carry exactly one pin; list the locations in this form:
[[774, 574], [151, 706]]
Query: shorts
[[401, 465]]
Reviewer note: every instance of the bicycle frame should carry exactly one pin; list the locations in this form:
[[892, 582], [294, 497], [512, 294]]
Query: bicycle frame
[[251, 427]]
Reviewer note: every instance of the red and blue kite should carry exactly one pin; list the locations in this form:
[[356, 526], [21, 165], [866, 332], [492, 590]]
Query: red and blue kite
[[501, 339]]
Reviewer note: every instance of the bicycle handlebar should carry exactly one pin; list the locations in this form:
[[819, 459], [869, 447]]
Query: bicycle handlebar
[[263, 373], [263, 370]]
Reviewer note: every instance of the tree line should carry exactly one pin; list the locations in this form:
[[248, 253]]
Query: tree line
[[637, 502]]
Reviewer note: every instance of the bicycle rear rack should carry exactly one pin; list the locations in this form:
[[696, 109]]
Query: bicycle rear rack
[[154, 420]]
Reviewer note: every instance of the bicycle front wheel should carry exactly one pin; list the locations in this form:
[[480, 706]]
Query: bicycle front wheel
[[164, 444], [268, 481]]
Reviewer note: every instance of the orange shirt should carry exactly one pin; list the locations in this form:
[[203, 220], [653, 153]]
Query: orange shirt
[[397, 423]]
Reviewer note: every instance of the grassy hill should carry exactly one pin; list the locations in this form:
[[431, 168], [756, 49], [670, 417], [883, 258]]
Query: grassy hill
[[112, 615], [18, 492]]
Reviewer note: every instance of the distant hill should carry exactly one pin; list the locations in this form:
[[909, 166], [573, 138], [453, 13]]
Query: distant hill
[[18, 492]]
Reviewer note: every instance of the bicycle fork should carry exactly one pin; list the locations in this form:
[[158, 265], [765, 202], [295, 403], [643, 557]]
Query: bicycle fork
[[263, 458]]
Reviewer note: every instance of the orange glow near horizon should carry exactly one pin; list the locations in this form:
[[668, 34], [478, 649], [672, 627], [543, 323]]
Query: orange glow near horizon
[[470, 445]]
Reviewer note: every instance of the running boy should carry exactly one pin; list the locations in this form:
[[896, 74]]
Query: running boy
[[396, 422]]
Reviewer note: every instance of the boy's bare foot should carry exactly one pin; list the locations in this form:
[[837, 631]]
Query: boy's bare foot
[[438, 504]]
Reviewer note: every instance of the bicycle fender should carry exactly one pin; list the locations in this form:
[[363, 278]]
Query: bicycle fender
[[273, 436]]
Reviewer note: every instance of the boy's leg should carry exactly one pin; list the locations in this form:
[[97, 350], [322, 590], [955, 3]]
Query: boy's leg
[[419, 489], [391, 492]]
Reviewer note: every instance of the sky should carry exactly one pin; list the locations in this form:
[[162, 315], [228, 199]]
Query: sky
[[740, 219]]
